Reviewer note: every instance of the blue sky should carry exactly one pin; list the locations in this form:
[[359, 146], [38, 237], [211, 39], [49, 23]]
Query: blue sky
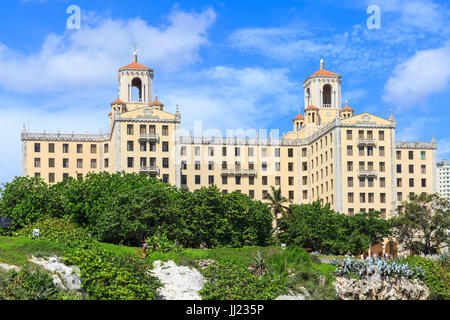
[[231, 64]]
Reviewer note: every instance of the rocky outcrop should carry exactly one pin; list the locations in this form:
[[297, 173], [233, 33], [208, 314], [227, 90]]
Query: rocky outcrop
[[64, 277], [8, 267], [378, 287], [179, 282], [295, 295]]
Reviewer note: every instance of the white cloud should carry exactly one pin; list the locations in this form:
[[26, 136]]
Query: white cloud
[[415, 79], [92, 55], [227, 98]]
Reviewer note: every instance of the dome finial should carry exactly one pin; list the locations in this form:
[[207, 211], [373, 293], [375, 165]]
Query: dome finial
[[134, 54], [321, 64]]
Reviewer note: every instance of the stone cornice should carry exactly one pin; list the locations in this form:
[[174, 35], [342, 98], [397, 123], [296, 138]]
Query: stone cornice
[[415, 145]]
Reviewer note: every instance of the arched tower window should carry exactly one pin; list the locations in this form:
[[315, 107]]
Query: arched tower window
[[136, 89], [308, 97], [326, 102]]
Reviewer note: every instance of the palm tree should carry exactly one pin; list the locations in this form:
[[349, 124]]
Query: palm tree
[[276, 203]]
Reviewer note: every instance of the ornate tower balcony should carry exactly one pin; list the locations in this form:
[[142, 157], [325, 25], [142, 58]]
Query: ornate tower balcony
[[148, 137], [367, 142], [368, 173], [149, 169]]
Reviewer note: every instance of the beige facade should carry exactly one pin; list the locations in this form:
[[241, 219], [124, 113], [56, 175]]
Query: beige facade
[[351, 161]]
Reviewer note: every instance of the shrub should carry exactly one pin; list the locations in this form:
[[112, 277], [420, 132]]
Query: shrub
[[108, 276], [27, 284], [162, 244], [230, 281], [56, 229], [436, 279]]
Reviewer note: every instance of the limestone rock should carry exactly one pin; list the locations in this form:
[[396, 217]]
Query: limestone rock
[[180, 282], [378, 287], [8, 267]]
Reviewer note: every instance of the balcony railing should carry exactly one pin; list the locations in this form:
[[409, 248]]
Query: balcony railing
[[239, 172], [367, 173], [326, 105], [149, 169], [367, 142], [148, 136]]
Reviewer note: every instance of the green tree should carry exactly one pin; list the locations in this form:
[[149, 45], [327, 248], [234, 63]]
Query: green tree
[[276, 202], [422, 223]]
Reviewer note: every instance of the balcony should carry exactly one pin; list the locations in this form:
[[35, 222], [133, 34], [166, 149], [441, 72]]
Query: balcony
[[239, 172], [326, 105], [367, 142], [148, 137], [367, 173], [149, 169]]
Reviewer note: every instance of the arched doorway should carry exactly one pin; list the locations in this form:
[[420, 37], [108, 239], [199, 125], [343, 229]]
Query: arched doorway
[[326, 102], [391, 249], [377, 250]]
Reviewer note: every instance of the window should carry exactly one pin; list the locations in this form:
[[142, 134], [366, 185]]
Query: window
[[93, 148], [381, 135], [165, 146], [277, 166], [263, 152], [183, 150], [237, 152], [362, 197], [291, 195], [264, 166], [197, 165], [51, 148], [290, 152], [224, 151], [153, 146], [349, 150], [65, 163], [369, 135], [399, 182], [399, 155], [422, 155], [210, 151], [399, 196], [165, 130], [371, 197], [184, 179], [362, 182], [382, 167], [152, 129], [399, 168], [142, 129], [37, 162], [381, 150], [197, 179], [290, 166], [130, 146], [350, 197], [350, 182], [65, 148], [361, 134], [238, 180], [93, 163], [304, 152], [130, 162], [79, 163], [423, 168], [382, 182], [411, 168], [224, 179], [79, 148], [291, 181], [165, 162], [210, 179], [424, 183], [411, 182], [130, 129], [106, 163], [277, 152], [251, 152], [411, 155], [224, 165], [305, 194], [383, 197], [277, 180], [361, 165], [264, 180], [37, 147], [165, 178], [106, 148], [143, 146], [65, 175], [51, 177], [251, 194], [349, 135], [183, 165], [251, 180], [51, 162], [349, 165], [370, 151], [361, 151], [210, 165], [370, 182], [351, 211]]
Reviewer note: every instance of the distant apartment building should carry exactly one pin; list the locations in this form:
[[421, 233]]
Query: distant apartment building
[[351, 161], [443, 176]]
